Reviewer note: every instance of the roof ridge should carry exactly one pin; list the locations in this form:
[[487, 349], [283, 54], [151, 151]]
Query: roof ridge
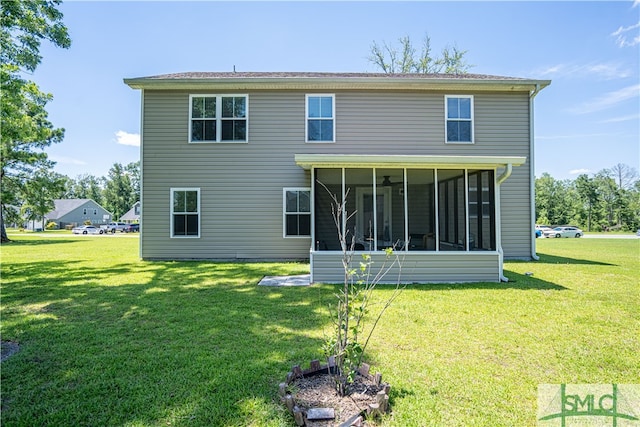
[[308, 74]]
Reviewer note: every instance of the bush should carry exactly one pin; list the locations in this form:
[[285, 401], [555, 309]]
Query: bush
[[51, 226], [87, 222]]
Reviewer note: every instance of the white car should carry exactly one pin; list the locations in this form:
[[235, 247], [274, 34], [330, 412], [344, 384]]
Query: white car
[[542, 229], [87, 229], [563, 232]]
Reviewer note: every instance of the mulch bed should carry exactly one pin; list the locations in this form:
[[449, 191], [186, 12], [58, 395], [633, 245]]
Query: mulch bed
[[319, 391], [312, 399]]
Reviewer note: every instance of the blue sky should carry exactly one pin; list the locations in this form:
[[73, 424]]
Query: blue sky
[[587, 120]]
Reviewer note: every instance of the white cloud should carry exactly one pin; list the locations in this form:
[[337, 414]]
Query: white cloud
[[608, 100], [622, 118], [126, 138], [572, 136], [627, 40], [67, 160], [604, 70], [579, 171]]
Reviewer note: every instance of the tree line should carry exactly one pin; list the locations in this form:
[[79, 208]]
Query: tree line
[[605, 201], [117, 192]]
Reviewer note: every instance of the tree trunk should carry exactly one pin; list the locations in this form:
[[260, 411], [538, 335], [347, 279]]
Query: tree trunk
[[3, 233]]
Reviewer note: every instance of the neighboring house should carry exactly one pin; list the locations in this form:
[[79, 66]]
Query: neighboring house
[[132, 215], [75, 212], [234, 164]]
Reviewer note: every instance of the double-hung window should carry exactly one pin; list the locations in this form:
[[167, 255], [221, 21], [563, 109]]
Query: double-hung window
[[297, 212], [185, 212], [218, 118], [459, 119], [320, 117]]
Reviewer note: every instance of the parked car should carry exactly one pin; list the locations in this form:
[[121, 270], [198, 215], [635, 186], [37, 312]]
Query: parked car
[[132, 228], [112, 227], [87, 229], [564, 232], [542, 229]]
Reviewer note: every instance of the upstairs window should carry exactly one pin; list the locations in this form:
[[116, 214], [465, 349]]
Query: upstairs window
[[459, 119], [320, 126], [185, 212], [218, 118], [297, 212]]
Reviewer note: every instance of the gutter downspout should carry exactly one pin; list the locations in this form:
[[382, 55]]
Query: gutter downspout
[[142, 99], [532, 177], [499, 180], [506, 174]]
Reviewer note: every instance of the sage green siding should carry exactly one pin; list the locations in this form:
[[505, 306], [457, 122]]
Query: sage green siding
[[444, 267], [241, 183]]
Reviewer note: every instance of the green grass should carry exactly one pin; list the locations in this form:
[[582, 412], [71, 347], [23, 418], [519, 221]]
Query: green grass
[[107, 339]]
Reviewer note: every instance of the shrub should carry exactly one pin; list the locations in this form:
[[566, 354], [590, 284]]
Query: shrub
[[348, 341], [51, 225]]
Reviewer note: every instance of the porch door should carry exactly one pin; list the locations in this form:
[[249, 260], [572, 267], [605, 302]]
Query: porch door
[[368, 225]]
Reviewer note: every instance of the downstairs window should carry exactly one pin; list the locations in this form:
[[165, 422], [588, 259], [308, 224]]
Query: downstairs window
[[185, 212]]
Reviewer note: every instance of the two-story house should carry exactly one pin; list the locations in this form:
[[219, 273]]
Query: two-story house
[[240, 166]]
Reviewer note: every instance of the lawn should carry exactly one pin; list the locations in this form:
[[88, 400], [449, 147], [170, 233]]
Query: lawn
[[107, 339]]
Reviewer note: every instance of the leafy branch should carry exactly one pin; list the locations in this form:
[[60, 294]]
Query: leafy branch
[[355, 298]]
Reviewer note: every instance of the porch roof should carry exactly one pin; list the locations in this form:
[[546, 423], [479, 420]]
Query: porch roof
[[307, 161]]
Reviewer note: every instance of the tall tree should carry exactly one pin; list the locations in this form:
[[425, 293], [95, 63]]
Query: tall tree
[[624, 175], [552, 201], [119, 195], [40, 191], [86, 186], [133, 170], [403, 58], [610, 196], [588, 193], [26, 130]]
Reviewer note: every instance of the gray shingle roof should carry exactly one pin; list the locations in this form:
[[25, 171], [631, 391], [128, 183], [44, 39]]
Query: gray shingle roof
[[313, 75], [64, 206], [313, 80]]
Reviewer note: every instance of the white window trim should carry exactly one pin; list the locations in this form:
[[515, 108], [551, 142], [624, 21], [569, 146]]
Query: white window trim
[[171, 213], [218, 118], [284, 212], [306, 117], [472, 120]]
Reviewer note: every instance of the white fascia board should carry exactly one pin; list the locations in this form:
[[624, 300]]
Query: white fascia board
[[307, 161], [325, 83]]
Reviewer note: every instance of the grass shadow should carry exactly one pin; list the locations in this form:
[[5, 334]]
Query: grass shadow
[[38, 242], [196, 341], [553, 259], [516, 281]]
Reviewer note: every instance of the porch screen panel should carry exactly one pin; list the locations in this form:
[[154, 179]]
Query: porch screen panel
[[421, 209], [451, 210], [482, 231], [326, 233], [359, 184], [390, 208]]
